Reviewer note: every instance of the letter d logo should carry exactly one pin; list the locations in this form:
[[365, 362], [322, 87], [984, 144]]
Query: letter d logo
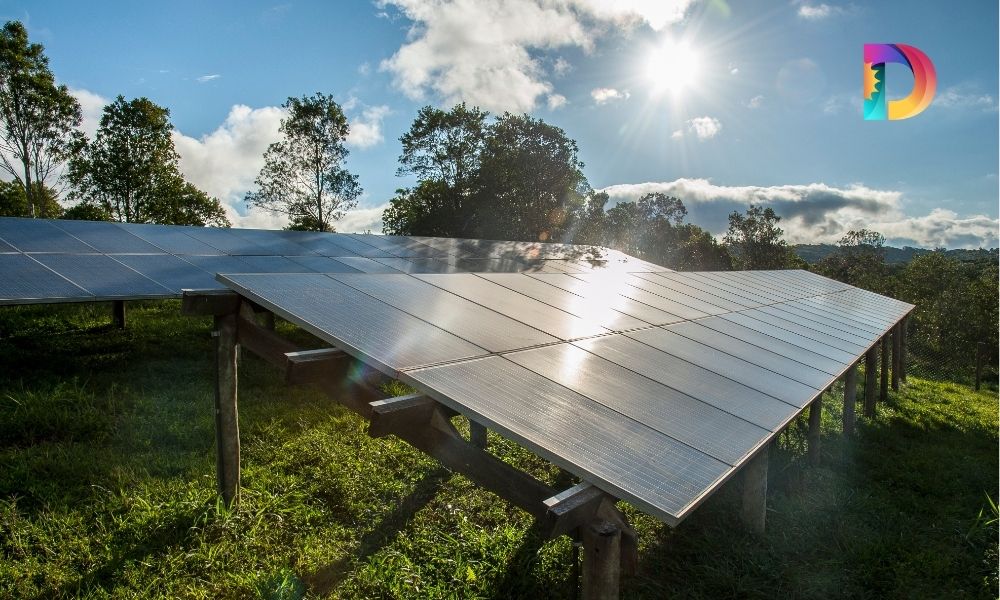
[[924, 82]]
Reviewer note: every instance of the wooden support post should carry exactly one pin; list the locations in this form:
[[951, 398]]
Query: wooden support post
[[118, 314], [753, 511], [897, 345], [902, 347], [871, 372], [227, 429], [601, 560], [815, 420], [850, 398], [883, 390], [477, 434], [268, 318]]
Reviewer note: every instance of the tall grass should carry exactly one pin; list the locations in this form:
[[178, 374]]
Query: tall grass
[[107, 490]]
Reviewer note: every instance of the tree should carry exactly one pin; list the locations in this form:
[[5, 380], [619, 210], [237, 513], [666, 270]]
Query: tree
[[530, 183], [755, 241], [14, 203], [859, 260], [130, 170], [38, 119], [303, 174], [444, 146]]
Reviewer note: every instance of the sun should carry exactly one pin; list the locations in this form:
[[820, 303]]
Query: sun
[[673, 66]]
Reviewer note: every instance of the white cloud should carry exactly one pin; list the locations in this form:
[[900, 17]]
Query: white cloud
[[561, 67], [92, 106], [484, 52], [362, 219], [677, 134], [605, 95], [755, 102], [207, 78], [705, 128], [965, 96], [815, 12], [733, 69], [366, 130], [555, 101], [819, 213]]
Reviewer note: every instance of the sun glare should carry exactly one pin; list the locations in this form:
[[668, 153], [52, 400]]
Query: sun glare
[[673, 67]]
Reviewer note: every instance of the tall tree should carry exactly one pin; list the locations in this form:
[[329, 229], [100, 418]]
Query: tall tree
[[14, 203], [303, 174], [38, 119], [531, 182], [130, 170], [444, 146], [858, 260], [755, 240]]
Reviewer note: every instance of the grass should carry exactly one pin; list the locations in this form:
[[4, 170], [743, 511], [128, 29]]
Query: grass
[[107, 490]]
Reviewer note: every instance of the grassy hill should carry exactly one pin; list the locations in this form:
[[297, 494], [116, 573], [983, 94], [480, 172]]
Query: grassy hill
[[107, 490]]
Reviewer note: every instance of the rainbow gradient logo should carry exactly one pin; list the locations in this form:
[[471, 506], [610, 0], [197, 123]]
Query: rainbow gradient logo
[[877, 107]]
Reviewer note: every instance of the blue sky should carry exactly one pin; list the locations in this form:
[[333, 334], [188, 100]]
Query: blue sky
[[770, 113]]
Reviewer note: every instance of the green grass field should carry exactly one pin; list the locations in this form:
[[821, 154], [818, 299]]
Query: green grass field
[[107, 491]]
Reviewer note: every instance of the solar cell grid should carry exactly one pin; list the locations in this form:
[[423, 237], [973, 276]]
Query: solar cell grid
[[28, 281], [39, 235], [106, 237], [102, 275]]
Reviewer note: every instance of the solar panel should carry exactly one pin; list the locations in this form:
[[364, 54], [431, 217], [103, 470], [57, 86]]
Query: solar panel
[[322, 264], [38, 235], [380, 334], [274, 264], [226, 241], [463, 318], [102, 275], [219, 264], [600, 295], [367, 265], [418, 265], [171, 272], [273, 242], [104, 237], [519, 307], [27, 281], [169, 238], [621, 455]]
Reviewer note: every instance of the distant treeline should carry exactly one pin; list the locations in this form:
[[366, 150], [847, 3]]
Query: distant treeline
[[813, 253]]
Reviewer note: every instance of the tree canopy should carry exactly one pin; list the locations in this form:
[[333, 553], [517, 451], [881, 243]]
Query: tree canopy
[[303, 174], [130, 171], [38, 119], [859, 260], [14, 202], [755, 241]]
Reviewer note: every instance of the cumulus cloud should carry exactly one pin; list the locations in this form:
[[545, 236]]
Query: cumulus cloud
[[207, 78], [555, 101], [484, 52], [755, 102], [92, 106], [362, 220], [677, 134], [819, 213], [705, 128], [366, 129], [965, 96], [561, 66], [605, 95]]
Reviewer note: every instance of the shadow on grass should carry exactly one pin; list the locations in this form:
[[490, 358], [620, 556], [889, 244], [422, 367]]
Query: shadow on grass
[[324, 580]]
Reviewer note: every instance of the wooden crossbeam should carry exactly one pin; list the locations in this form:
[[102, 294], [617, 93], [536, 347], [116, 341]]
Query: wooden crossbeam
[[308, 366], [572, 508], [200, 303]]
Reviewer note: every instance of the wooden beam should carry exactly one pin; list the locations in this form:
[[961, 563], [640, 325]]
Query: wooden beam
[[227, 428], [309, 366], [197, 303], [477, 434], [118, 314], [815, 420], [572, 508], [426, 427], [897, 346], [602, 545], [753, 511], [902, 348], [850, 398], [883, 390], [871, 381], [266, 344]]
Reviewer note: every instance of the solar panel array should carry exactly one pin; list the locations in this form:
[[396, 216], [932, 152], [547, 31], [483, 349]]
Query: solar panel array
[[652, 385], [74, 261]]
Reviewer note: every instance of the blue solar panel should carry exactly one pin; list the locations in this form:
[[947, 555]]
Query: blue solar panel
[[170, 271], [37, 235], [26, 280], [108, 238], [102, 275], [170, 238]]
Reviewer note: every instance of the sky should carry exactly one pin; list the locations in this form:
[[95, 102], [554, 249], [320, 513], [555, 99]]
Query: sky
[[721, 104]]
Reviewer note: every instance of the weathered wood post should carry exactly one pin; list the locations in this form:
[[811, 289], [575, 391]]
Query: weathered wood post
[[227, 428], [477, 434], [815, 420], [902, 348], [883, 390], [268, 320], [871, 369], [118, 314], [897, 346], [602, 543], [753, 511], [850, 397]]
